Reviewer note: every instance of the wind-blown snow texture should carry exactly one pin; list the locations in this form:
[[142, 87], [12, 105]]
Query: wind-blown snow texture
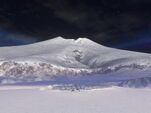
[[80, 62]]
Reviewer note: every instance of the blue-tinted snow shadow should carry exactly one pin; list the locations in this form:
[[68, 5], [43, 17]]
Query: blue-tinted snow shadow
[[86, 80]]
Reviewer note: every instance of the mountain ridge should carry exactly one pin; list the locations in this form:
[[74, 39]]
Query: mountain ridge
[[58, 57]]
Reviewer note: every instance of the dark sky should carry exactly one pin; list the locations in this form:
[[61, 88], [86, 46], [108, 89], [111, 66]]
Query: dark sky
[[124, 24]]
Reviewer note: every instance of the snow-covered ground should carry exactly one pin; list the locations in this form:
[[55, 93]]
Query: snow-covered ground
[[106, 100]]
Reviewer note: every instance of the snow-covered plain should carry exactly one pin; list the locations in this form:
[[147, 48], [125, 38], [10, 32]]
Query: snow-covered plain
[[73, 76], [106, 100]]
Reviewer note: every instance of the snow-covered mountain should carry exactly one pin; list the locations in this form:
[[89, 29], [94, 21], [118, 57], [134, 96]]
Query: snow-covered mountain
[[69, 61]]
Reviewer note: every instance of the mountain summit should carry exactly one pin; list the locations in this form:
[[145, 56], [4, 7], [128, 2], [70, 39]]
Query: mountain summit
[[60, 57]]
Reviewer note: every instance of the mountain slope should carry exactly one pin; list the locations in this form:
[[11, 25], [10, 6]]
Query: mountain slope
[[69, 61]]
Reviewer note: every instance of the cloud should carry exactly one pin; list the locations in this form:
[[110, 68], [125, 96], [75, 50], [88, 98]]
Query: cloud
[[104, 21], [11, 39]]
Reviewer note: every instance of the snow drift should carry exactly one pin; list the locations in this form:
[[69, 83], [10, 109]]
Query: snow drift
[[69, 61]]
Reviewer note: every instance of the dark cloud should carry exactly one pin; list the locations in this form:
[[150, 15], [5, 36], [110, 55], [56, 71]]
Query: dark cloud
[[113, 23], [9, 39]]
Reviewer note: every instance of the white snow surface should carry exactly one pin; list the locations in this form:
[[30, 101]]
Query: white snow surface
[[70, 62], [107, 100]]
